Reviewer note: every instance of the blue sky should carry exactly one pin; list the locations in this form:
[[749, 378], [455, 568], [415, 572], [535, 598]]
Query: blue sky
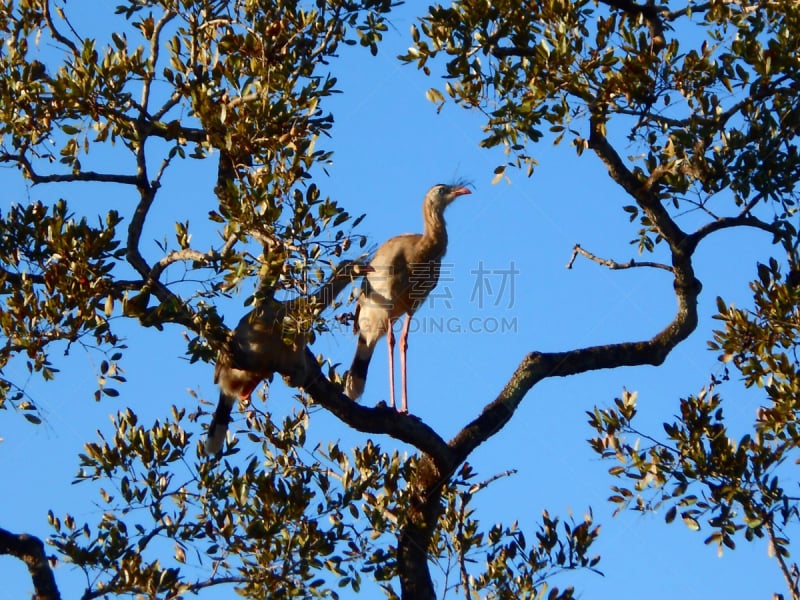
[[390, 146]]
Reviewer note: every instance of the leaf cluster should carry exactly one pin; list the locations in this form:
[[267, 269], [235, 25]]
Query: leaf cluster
[[241, 82], [57, 282], [733, 485], [705, 92], [287, 523]]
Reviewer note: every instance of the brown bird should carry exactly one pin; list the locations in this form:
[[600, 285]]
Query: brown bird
[[261, 346], [405, 270]]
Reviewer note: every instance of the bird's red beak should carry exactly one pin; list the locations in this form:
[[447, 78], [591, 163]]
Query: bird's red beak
[[461, 191]]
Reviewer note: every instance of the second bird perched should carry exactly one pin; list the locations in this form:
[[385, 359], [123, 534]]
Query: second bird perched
[[404, 271], [259, 347]]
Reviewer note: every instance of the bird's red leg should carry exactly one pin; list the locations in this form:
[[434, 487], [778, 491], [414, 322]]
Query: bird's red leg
[[390, 341], [403, 348]]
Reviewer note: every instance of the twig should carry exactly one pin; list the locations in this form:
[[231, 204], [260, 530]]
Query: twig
[[477, 487], [791, 581], [611, 264]]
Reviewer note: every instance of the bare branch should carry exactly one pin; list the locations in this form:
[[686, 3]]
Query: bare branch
[[186, 254], [188, 587], [537, 366], [477, 487], [25, 164], [651, 14], [55, 32], [743, 219], [155, 46], [133, 254], [173, 101], [30, 550], [83, 176], [379, 420], [577, 249], [789, 575]]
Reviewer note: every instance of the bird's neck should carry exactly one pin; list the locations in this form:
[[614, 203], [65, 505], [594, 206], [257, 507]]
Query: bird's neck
[[433, 244], [326, 294]]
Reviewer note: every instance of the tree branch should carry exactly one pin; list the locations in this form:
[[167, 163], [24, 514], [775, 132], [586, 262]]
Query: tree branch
[[155, 46], [611, 264], [30, 550], [641, 191], [743, 219], [380, 419], [537, 366], [36, 179], [790, 579], [57, 35], [186, 587]]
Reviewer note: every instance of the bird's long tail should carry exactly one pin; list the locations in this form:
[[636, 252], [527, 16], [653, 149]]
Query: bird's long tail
[[357, 375], [218, 429]]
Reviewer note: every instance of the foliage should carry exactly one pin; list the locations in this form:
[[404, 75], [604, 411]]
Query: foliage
[[152, 94], [57, 286], [705, 472], [285, 523], [513, 569], [706, 93]]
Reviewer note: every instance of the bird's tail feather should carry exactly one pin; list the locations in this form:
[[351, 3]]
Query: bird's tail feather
[[218, 429], [357, 375]]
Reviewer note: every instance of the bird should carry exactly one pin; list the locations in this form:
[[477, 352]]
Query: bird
[[405, 269], [261, 345]]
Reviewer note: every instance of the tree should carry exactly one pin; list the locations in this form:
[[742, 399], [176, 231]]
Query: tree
[[705, 92]]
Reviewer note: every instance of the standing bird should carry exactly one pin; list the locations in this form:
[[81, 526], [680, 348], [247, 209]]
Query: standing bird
[[261, 346], [405, 270]]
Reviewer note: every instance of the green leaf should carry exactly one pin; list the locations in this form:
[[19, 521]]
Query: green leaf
[[691, 522], [671, 513]]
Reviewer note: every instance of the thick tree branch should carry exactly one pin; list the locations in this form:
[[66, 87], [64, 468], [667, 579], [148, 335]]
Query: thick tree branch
[[641, 191], [537, 365], [81, 176], [187, 587], [30, 550], [379, 420], [729, 222]]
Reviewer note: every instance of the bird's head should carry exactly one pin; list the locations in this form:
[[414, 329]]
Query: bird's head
[[440, 195]]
